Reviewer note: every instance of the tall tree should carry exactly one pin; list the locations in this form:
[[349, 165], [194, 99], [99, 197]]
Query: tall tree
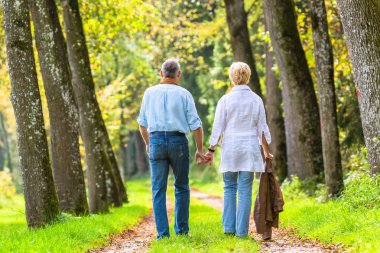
[[276, 123], [141, 159], [2, 152], [99, 151], [240, 43], [63, 113], [302, 124], [323, 52], [361, 24], [5, 142], [40, 197], [131, 155]]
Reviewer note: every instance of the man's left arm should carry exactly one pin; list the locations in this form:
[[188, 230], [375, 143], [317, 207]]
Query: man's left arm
[[195, 125], [143, 122]]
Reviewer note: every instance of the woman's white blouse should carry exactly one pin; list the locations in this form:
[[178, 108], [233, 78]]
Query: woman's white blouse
[[240, 119]]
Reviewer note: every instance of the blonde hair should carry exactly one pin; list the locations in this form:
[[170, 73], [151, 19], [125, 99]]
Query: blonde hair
[[239, 73]]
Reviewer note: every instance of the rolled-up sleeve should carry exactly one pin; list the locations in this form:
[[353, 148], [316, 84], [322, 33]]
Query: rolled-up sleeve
[[262, 127], [192, 117], [142, 118], [219, 122]]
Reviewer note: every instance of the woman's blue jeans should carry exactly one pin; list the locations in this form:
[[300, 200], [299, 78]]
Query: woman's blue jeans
[[170, 150], [240, 183]]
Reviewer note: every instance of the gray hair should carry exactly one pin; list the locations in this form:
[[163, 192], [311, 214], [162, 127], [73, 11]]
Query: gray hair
[[170, 68]]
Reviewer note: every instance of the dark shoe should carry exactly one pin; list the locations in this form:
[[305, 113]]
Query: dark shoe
[[229, 234]]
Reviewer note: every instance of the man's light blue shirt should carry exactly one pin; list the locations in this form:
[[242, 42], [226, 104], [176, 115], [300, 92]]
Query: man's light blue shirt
[[168, 107]]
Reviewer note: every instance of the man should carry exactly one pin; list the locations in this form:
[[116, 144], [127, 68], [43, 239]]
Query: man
[[167, 114]]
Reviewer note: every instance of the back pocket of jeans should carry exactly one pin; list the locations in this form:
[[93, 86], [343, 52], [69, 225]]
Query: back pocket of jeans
[[155, 151]]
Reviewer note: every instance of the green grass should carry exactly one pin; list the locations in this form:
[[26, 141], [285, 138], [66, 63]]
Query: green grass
[[206, 235], [331, 222], [72, 234]]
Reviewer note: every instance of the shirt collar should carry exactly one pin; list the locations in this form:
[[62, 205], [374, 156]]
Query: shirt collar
[[240, 87]]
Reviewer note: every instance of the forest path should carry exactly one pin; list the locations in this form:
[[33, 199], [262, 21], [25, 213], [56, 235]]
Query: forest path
[[283, 239], [134, 240]]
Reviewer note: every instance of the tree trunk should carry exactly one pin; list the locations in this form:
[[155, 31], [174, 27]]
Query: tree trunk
[[114, 165], [324, 58], [141, 159], [113, 195], [94, 132], [131, 155], [41, 203], [6, 142], [240, 43], [122, 143], [302, 125], [275, 119], [361, 24], [2, 155], [67, 168]]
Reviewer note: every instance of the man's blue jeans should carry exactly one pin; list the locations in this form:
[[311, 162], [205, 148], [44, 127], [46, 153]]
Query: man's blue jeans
[[240, 182], [170, 149]]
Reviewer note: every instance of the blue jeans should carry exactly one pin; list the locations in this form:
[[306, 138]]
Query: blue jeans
[[172, 150], [240, 182]]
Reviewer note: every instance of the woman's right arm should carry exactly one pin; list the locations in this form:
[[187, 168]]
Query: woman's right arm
[[266, 149], [264, 134]]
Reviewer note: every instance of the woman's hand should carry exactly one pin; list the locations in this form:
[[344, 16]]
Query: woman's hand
[[268, 156], [147, 149]]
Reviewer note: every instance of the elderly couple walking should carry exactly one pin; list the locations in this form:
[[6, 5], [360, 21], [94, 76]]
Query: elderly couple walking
[[168, 113]]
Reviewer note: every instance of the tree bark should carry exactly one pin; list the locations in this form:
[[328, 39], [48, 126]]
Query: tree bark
[[2, 151], [6, 143], [114, 165], [275, 119], [361, 24], [113, 195], [122, 144], [302, 124], [324, 58], [94, 132], [240, 43], [41, 203], [141, 159], [131, 155], [63, 113]]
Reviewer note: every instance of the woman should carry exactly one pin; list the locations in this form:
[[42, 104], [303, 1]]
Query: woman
[[240, 119]]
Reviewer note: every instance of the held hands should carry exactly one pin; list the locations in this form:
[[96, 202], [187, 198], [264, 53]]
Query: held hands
[[202, 158]]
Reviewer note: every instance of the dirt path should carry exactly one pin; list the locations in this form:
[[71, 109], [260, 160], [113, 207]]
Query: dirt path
[[284, 240], [134, 240]]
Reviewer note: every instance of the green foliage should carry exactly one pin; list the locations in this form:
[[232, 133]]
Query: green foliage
[[295, 188], [70, 234], [7, 189], [361, 191]]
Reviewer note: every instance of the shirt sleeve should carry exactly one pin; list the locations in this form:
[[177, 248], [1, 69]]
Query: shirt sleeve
[[219, 122], [192, 117], [142, 119], [262, 126]]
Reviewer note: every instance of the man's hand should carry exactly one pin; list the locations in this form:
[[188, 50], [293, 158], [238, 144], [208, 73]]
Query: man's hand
[[200, 157], [147, 149]]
